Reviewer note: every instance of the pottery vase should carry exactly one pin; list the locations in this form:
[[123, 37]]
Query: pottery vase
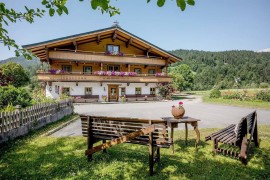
[[178, 112]]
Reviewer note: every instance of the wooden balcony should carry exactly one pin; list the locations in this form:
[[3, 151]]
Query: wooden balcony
[[80, 77], [87, 56]]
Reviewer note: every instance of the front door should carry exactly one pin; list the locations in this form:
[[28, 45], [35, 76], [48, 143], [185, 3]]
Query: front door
[[113, 92]]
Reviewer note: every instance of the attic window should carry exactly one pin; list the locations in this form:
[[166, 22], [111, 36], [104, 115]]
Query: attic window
[[113, 49]]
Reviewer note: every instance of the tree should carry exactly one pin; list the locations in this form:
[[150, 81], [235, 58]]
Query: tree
[[9, 95], [183, 77], [14, 74], [59, 6]]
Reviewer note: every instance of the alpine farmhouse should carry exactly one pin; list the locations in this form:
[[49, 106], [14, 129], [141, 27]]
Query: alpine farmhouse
[[104, 65]]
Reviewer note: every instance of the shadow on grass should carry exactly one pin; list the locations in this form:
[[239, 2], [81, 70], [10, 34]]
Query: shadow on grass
[[60, 158], [63, 158]]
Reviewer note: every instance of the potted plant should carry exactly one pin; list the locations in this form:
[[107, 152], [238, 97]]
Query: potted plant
[[178, 112]]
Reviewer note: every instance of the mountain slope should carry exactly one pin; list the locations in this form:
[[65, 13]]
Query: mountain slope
[[21, 60], [223, 68]]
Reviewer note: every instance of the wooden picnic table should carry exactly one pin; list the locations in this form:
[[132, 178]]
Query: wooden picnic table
[[173, 123]]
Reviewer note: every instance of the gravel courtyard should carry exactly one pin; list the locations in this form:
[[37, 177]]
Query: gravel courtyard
[[211, 115]]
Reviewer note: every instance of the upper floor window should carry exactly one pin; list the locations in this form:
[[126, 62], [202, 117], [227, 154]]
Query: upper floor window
[[138, 70], [115, 49], [113, 68], [151, 71], [87, 69], [67, 68]]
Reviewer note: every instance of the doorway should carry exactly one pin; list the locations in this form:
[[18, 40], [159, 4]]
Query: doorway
[[113, 93]]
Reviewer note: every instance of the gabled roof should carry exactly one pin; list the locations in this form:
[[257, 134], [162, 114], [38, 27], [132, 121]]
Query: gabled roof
[[40, 49]]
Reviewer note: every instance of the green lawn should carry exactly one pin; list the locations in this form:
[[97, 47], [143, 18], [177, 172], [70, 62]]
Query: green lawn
[[37, 157], [256, 104]]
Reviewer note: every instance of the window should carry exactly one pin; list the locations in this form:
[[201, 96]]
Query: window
[[113, 68], [87, 69], [153, 91], [88, 91], [67, 68], [56, 89], [151, 71], [123, 91], [138, 91], [138, 70], [66, 91], [113, 49]]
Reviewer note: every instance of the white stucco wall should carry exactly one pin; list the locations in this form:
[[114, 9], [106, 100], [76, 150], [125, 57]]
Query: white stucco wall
[[97, 89]]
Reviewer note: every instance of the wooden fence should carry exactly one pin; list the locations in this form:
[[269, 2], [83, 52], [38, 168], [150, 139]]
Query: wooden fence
[[20, 117]]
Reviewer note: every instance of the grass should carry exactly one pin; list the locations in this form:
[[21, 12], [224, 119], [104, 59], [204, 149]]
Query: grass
[[257, 104], [233, 102], [37, 157]]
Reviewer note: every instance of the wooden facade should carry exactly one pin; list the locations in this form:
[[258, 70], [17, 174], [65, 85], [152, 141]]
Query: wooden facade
[[110, 55]]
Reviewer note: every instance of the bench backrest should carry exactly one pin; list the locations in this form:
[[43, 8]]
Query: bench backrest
[[251, 119], [111, 127], [241, 131]]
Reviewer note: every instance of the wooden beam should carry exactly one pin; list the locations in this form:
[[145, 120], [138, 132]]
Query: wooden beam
[[75, 44], [40, 51], [129, 42], [47, 53], [114, 36], [121, 139], [148, 51], [98, 39]]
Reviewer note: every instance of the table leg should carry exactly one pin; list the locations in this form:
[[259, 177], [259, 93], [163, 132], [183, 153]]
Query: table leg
[[186, 128], [172, 141], [195, 125]]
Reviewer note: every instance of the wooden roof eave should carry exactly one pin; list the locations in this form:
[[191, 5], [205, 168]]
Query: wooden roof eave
[[120, 32]]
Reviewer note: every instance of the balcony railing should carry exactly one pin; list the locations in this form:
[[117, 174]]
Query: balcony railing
[[103, 77], [102, 57]]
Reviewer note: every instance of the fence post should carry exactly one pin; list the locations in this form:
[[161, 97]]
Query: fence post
[[18, 116]]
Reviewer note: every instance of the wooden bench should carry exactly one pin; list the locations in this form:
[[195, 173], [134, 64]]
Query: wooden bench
[[237, 136], [153, 133], [140, 97], [85, 98]]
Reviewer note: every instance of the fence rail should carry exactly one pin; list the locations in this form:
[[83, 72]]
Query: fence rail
[[20, 117]]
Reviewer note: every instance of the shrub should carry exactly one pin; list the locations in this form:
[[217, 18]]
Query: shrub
[[14, 96], [263, 95], [165, 90], [215, 93], [264, 85], [234, 95]]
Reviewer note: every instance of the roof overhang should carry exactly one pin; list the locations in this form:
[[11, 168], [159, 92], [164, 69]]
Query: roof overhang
[[41, 49]]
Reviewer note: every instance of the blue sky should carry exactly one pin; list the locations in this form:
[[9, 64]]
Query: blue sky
[[211, 25]]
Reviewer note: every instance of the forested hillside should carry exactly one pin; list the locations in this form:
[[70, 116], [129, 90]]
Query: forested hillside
[[22, 61], [228, 69]]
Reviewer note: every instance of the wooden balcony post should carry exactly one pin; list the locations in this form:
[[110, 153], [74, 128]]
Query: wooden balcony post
[[128, 67], [101, 66], [166, 67]]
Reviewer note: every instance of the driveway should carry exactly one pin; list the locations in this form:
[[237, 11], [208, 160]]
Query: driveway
[[211, 115]]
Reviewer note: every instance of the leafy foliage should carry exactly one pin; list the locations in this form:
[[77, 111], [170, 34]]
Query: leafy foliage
[[215, 93], [222, 69], [9, 95], [165, 90], [14, 74], [263, 95], [183, 77], [8, 16]]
